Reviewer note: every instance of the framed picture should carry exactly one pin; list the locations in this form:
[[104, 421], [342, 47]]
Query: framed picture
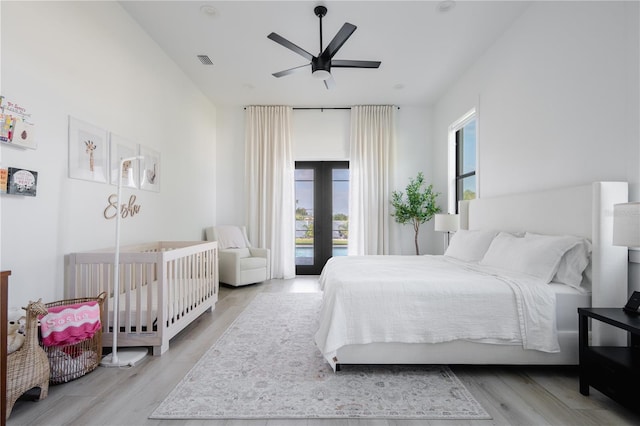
[[149, 169], [22, 182], [122, 148], [88, 152]]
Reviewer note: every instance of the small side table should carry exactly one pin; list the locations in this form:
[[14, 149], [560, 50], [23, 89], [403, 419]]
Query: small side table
[[614, 371]]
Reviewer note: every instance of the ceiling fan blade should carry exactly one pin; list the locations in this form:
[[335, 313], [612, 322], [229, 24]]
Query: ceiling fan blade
[[290, 71], [330, 83], [339, 39], [286, 43], [343, 63]]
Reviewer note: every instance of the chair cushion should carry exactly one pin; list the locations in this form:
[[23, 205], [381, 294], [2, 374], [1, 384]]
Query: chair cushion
[[242, 252], [252, 263]]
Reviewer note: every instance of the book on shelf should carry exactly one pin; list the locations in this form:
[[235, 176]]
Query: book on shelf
[[4, 178], [22, 133], [22, 182]]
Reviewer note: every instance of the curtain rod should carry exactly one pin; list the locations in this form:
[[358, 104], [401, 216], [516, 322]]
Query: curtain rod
[[320, 108]]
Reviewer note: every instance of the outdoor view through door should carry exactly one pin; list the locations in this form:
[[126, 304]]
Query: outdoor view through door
[[322, 208]]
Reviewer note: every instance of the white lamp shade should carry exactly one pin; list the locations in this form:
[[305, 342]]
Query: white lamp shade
[[626, 224], [447, 222]]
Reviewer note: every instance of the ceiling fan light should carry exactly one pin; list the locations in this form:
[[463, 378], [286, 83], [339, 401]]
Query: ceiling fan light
[[321, 74]]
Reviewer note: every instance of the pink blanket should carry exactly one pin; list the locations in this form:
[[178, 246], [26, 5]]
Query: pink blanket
[[70, 324]]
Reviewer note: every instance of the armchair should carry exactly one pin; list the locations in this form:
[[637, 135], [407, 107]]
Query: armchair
[[238, 262]]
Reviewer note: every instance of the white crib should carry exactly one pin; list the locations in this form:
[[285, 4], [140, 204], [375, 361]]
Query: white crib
[[179, 277]]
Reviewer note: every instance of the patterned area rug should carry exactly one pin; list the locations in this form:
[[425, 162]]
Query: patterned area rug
[[266, 365]]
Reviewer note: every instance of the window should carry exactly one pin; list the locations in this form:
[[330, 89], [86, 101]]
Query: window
[[463, 160]]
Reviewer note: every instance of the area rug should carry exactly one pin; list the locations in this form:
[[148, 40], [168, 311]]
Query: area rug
[[266, 365]]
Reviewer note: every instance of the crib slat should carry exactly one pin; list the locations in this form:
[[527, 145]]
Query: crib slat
[[137, 287], [149, 282], [103, 285], [125, 288]]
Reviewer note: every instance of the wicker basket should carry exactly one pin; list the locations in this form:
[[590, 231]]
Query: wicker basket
[[70, 362]]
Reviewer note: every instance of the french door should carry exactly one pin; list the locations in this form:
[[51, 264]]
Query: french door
[[322, 209]]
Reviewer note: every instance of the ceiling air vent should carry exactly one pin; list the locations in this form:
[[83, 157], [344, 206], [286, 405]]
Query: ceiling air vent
[[205, 60]]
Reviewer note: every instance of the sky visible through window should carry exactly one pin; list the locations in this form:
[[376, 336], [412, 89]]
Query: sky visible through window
[[341, 191], [467, 152], [469, 160], [304, 190]]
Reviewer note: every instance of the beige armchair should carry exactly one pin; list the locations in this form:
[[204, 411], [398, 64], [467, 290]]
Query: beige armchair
[[238, 262]]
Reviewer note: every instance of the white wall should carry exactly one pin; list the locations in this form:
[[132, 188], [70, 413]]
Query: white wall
[[558, 101], [229, 166], [324, 136], [321, 135], [414, 153], [90, 60]]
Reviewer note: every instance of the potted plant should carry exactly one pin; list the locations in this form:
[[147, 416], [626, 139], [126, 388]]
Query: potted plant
[[418, 207]]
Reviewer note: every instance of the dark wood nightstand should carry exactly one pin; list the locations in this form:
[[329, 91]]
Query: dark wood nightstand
[[614, 371]]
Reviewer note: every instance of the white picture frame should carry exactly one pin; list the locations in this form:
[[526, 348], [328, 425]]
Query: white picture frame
[[149, 169], [88, 151], [123, 148]]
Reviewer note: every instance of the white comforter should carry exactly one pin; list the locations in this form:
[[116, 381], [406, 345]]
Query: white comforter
[[431, 299]]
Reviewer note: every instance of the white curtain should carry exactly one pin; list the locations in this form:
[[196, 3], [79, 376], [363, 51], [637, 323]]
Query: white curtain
[[371, 148], [269, 182]]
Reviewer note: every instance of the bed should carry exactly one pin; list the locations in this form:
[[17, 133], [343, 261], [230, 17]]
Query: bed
[[164, 286], [471, 306]]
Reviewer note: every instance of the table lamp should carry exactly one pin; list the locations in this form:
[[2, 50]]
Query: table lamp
[[446, 223]]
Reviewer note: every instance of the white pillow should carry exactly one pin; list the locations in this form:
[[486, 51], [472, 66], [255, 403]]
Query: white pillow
[[574, 261], [469, 246], [538, 257], [230, 236]]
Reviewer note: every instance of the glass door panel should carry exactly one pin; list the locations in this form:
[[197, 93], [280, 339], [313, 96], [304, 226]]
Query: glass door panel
[[304, 184], [340, 214]]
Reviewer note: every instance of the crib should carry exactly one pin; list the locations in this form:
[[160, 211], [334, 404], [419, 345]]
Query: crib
[[164, 286]]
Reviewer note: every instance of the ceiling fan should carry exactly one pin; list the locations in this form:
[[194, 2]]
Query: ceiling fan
[[321, 65]]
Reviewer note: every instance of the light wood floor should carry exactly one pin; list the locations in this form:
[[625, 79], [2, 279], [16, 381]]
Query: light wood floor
[[107, 396]]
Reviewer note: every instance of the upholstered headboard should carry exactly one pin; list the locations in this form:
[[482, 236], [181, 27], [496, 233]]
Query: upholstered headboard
[[585, 210]]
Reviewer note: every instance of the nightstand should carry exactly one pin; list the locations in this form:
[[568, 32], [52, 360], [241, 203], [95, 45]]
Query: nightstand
[[614, 371]]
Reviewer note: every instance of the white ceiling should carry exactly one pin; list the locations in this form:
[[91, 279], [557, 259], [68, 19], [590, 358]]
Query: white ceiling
[[423, 50]]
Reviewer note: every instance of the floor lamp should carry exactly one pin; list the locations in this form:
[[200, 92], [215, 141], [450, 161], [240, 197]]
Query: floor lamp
[[130, 356], [446, 223]]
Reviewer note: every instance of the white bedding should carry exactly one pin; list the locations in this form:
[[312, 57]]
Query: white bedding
[[431, 299]]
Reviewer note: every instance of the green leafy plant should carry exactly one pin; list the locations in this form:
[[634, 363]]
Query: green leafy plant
[[418, 207]]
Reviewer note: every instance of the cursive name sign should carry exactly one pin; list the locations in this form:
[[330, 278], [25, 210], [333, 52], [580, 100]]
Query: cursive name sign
[[126, 210]]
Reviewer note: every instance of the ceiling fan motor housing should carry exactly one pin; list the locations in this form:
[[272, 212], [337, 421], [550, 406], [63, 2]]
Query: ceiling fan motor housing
[[320, 64]]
